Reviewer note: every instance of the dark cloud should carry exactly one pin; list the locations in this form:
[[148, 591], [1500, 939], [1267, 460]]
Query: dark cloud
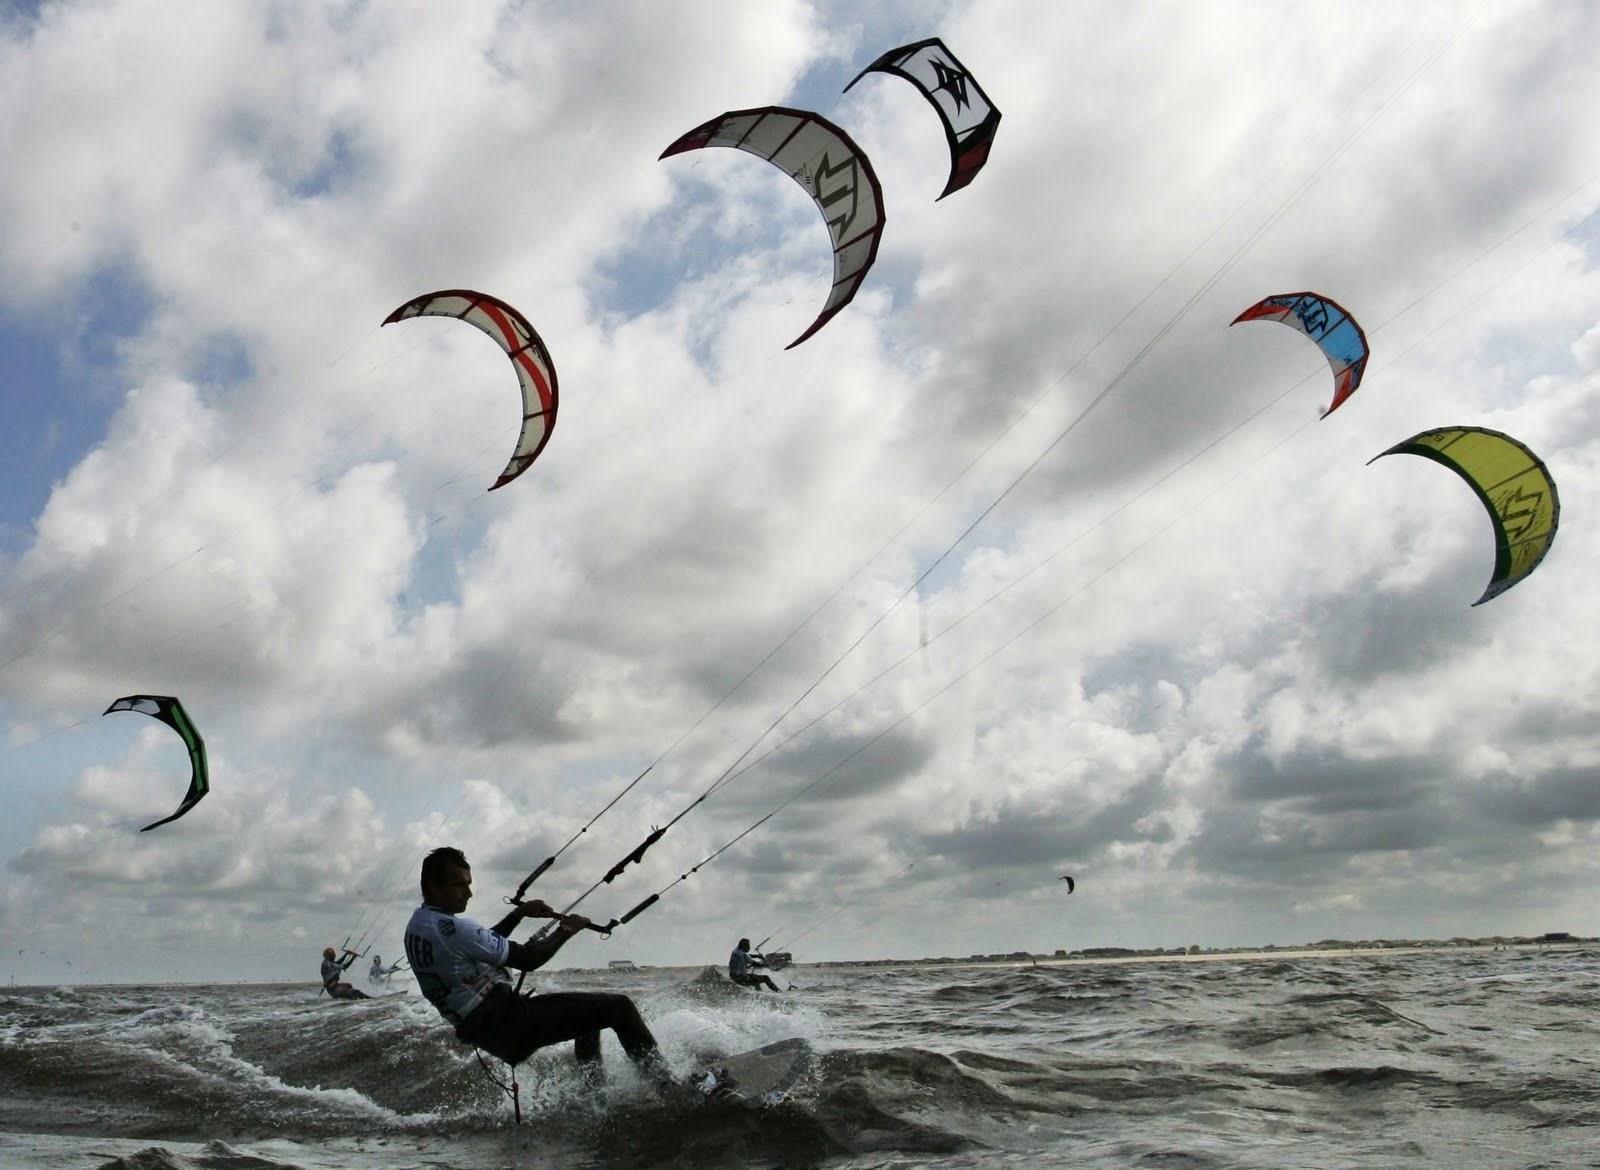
[[520, 856], [1060, 832], [1539, 724], [1307, 812], [1361, 637], [1537, 799], [1321, 781], [877, 769], [1292, 848], [771, 866], [486, 698]]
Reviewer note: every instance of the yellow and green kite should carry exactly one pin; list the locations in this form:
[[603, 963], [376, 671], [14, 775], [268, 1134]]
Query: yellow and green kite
[[1514, 485]]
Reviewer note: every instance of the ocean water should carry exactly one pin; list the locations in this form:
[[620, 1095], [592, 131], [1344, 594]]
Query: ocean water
[[1454, 1058]]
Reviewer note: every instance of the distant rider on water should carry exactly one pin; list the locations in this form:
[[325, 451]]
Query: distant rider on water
[[740, 965]]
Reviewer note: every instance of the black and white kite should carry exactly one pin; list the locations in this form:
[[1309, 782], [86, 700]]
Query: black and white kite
[[822, 159], [970, 119]]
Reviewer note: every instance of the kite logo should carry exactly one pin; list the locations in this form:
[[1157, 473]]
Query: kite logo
[[1313, 315], [1519, 522], [952, 80], [844, 187]]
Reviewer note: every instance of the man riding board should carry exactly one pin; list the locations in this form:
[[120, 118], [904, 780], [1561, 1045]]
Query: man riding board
[[332, 967], [741, 966], [463, 970]]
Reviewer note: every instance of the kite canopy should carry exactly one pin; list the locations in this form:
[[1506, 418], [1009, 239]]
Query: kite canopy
[[535, 371], [1071, 885], [1513, 484], [822, 159], [171, 712], [970, 119], [1325, 321]]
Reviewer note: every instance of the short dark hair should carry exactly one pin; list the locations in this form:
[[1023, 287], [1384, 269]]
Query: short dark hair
[[744, 944], [436, 866]]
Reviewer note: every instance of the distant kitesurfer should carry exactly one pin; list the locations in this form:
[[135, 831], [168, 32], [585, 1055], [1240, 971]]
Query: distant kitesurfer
[[378, 973], [332, 967], [462, 969], [740, 965]]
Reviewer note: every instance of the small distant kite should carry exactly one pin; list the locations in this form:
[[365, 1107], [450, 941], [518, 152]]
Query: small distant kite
[[970, 119], [169, 711], [1071, 885], [1514, 486], [1325, 321], [832, 169], [510, 330]]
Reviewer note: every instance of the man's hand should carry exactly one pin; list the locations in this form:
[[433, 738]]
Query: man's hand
[[534, 908]]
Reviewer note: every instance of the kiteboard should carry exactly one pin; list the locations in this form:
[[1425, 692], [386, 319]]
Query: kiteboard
[[759, 1078]]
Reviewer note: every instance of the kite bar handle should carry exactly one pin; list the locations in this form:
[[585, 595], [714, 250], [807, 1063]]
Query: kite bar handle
[[638, 910], [603, 929], [529, 880]]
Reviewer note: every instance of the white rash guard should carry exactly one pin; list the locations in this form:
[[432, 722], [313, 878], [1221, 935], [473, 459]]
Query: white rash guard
[[455, 960]]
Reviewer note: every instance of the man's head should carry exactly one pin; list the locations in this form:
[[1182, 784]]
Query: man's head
[[328, 952], [446, 879], [744, 944]]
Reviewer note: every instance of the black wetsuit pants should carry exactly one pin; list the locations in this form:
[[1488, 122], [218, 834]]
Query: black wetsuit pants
[[512, 1026], [753, 979]]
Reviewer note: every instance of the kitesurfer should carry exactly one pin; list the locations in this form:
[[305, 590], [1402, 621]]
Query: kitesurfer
[[740, 965], [332, 967], [462, 969], [378, 972]]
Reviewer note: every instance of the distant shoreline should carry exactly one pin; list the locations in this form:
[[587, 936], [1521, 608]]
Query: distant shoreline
[[1104, 956]]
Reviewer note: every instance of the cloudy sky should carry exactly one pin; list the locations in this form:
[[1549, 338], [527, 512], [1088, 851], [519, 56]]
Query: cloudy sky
[[1200, 656]]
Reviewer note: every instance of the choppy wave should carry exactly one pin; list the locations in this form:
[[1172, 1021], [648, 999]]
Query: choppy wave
[[1470, 1059]]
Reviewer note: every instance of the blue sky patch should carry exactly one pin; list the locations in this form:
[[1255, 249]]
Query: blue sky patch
[[59, 384]]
